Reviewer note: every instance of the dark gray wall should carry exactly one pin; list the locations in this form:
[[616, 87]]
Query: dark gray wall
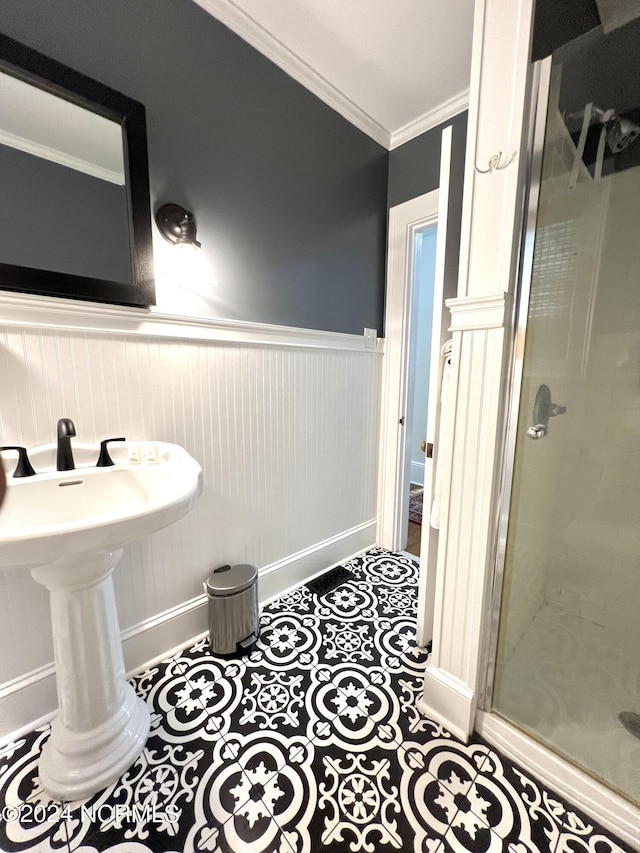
[[56, 218], [414, 168], [456, 186], [290, 198]]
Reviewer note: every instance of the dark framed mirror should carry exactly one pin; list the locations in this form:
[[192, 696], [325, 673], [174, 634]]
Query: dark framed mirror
[[75, 217]]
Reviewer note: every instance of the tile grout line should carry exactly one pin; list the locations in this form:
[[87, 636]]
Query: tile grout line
[[487, 758]]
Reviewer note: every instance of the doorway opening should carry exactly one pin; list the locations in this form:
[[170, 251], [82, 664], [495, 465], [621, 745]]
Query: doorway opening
[[423, 270]]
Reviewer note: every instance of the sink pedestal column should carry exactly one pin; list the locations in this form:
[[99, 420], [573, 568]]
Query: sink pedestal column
[[102, 726]]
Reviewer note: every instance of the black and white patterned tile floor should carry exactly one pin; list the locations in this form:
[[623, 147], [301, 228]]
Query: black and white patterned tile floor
[[312, 743]]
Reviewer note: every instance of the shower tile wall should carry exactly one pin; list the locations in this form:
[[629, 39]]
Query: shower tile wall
[[596, 553], [568, 663], [287, 438], [575, 543]]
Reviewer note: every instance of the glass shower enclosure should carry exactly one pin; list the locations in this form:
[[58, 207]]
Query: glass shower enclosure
[[567, 665]]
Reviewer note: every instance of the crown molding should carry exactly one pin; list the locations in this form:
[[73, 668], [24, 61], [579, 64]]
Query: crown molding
[[430, 119], [254, 34]]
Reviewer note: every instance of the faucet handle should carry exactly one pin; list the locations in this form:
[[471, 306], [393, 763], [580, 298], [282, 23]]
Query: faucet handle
[[104, 460], [24, 467]]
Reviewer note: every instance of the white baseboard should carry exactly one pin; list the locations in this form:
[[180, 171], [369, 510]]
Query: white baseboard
[[158, 638], [27, 702], [447, 701], [610, 810], [31, 699], [417, 473], [279, 577]]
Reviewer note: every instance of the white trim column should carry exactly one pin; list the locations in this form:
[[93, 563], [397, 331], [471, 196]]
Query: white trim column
[[481, 320], [464, 556]]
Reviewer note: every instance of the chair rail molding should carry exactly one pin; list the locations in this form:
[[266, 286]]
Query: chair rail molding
[[482, 319], [28, 311]]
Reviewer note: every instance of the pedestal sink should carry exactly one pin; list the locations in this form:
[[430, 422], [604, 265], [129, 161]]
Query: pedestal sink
[[68, 528]]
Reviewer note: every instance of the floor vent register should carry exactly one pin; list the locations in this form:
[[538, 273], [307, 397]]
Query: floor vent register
[[329, 580]]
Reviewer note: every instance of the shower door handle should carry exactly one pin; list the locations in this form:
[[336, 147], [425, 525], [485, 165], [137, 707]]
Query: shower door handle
[[543, 409]]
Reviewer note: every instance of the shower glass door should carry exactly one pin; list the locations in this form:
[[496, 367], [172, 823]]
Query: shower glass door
[[567, 668]]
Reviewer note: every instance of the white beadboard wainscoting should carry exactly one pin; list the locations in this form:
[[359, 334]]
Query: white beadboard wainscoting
[[285, 423]]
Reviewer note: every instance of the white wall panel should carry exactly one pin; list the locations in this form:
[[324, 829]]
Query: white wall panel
[[287, 436]]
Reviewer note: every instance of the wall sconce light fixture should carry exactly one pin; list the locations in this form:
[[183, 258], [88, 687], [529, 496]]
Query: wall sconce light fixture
[[187, 267], [177, 225]]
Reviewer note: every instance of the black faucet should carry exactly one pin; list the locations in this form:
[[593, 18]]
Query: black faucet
[[66, 430]]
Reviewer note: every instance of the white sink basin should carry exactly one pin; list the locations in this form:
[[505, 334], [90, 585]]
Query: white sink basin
[[68, 528], [59, 514]]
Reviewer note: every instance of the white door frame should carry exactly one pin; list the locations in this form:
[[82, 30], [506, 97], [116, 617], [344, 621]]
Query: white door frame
[[393, 505]]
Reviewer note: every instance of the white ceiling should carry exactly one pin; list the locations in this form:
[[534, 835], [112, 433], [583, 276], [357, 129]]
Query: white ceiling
[[394, 68]]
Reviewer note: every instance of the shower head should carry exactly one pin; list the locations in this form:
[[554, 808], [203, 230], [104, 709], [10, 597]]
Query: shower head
[[621, 133]]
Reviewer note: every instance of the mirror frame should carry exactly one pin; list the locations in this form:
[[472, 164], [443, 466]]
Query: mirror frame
[[27, 64]]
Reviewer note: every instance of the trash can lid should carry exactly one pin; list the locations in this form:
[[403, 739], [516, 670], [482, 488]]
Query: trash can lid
[[228, 580]]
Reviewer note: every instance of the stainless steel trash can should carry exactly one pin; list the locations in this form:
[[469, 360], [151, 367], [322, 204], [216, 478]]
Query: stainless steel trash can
[[234, 624]]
